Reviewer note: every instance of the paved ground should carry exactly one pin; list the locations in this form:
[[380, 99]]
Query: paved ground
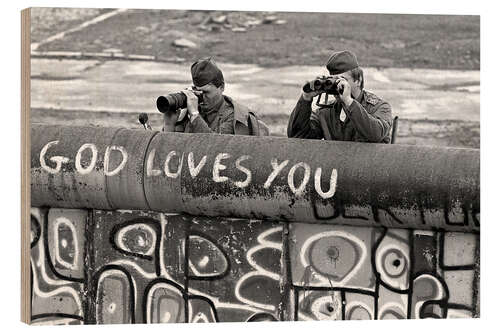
[[108, 93], [276, 39], [438, 103]]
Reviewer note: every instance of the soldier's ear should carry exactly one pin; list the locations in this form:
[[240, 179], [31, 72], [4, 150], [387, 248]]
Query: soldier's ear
[[358, 82], [222, 86]]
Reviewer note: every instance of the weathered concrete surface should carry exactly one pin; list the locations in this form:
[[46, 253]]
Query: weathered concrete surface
[[133, 86], [283, 179]]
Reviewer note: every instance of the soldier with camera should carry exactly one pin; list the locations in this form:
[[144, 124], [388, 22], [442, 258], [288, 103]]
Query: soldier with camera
[[354, 115], [204, 108]]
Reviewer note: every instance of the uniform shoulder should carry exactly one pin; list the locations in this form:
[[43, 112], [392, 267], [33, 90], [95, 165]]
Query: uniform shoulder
[[372, 99], [237, 110]]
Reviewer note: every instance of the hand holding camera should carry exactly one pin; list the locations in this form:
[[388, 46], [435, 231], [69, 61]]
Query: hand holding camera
[[186, 99], [192, 102]]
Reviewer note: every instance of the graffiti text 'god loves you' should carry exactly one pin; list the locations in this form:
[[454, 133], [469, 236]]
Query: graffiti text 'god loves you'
[[173, 163]]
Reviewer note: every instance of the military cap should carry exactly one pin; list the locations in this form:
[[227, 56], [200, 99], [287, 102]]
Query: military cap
[[205, 71], [340, 62]]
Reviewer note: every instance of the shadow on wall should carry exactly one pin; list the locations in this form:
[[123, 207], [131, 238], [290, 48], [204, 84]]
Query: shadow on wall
[[96, 266]]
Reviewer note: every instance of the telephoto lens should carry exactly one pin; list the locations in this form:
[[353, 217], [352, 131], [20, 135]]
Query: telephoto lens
[[171, 102]]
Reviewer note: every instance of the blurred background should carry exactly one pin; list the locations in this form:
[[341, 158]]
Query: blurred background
[[103, 67]]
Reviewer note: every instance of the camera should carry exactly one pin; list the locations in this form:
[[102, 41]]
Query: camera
[[324, 84], [171, 102], [174, 102]]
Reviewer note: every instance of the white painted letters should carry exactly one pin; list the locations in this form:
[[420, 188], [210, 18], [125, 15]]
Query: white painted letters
[[333, 184], [298, 191], [78, 158], [244, 170], [218, 167], [58, 160], [149, 165], [122, 163], [276, 170], [195, 170], [169, 173]]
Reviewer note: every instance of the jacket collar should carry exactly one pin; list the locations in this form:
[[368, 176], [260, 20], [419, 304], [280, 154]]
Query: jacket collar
[[240, 111], [361, 96]]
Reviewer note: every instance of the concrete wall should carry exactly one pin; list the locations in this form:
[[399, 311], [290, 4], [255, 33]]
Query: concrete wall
[[135, 226], [97, 266], [292, 180]]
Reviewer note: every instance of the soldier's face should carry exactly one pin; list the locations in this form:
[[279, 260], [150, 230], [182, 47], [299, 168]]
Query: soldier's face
[[212, 96]]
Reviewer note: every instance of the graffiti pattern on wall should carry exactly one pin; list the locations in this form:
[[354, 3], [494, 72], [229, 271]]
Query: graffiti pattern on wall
[[342, 272], [94, 266]]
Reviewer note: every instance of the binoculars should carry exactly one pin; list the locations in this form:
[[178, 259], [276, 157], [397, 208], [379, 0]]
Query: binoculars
[[325, 84]]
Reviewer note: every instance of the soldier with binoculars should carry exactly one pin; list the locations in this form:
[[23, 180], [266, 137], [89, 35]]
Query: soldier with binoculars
[[204, 109], [354, 115]]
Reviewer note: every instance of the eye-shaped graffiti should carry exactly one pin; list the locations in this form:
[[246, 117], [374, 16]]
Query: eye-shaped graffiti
[[392, 260], [56, 290], [335, 255], [165, 303], [136, 239], [145, 267], [66, 253], [320, 305], [359, 311], [114, 297], [331, 257], [206, 260]]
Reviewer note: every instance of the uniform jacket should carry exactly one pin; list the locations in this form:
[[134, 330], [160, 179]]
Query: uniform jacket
[[230, 118], [369, 119]]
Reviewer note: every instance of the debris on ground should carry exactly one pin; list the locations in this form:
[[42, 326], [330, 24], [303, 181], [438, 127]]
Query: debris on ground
[[236, 21], [184, 43], [270, 19], [238, 29], [219, 20]]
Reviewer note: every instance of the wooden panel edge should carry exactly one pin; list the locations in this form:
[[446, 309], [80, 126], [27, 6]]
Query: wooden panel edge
[[25, 165]]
